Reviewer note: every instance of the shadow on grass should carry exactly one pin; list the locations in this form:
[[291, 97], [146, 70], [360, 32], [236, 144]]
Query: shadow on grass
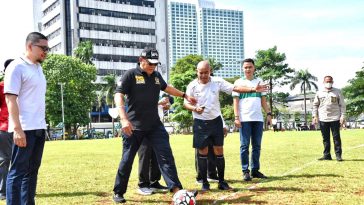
[[73, 194], [353, 160], [238, 198]]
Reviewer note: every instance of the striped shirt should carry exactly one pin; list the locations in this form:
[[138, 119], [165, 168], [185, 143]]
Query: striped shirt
[[250, 104]]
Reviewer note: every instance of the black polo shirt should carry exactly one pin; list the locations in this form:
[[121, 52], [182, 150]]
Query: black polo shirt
[[142, 93]]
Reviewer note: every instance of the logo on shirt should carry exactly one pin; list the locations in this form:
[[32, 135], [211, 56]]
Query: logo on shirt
[[157, 81], [139, 79], [333, 99]]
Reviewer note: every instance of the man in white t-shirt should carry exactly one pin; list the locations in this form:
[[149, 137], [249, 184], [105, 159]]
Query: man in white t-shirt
[[249, 119], [25, 88], [207, 124]]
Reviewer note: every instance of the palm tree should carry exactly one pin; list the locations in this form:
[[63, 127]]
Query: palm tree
[[307, 81], [109, 88]]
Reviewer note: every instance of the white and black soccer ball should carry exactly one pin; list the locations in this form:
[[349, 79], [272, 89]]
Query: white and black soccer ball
[[184, 197]]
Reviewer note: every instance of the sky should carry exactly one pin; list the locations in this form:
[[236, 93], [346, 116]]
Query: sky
[[324, 36]]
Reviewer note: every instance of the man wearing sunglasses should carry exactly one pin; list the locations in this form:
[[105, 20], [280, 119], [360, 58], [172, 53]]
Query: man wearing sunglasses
[[142, 86], [25, 88]]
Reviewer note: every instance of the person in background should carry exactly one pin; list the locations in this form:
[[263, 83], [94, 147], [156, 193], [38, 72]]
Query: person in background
[[249, 119], [25, 88], [6, 139], [329, 111]]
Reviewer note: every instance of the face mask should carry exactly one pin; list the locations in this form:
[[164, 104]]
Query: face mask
[[328, 85]]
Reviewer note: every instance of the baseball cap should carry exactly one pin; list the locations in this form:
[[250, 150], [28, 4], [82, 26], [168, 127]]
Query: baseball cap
[[151, 54]]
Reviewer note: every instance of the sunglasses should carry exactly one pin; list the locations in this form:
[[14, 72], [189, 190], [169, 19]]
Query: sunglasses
[[44, 48]]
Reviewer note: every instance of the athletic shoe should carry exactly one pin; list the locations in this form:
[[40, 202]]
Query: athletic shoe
[[156, 186], [325, 158], [223, 185], [198, 181], [145, 191], [118, 198], [205, 187], [246, 176], [258, 174]]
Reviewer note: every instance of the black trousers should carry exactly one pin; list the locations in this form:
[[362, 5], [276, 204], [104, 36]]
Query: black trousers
[[149, 172], [334, 126], [211, 163]]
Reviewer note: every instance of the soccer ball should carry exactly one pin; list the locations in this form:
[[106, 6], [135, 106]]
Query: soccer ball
[[184, 197]]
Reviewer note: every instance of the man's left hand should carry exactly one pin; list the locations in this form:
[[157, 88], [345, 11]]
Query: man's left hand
[[269, 119], [191, 99]]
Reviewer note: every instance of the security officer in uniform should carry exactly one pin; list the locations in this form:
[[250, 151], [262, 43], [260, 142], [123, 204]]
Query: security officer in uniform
[[141, 86]]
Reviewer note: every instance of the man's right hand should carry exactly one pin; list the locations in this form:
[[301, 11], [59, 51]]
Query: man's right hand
[[127, 127], [237, 123], [262, 88], [19, 138]]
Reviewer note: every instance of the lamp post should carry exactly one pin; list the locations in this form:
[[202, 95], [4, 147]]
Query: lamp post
[[64, 128]]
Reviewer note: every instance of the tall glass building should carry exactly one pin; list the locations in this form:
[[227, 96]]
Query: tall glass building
[[198, 27], [118, 29]]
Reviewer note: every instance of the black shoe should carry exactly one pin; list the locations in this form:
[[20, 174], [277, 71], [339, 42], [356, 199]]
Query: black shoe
[[156, 186], [246, 176], [205, 187], [223, 185], [339, 159], [258, 174], [325, 158], [118, 198]]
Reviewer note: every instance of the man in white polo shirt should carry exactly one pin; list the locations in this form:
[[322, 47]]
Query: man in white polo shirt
[[249, 119], [207, 124], [25, 88]]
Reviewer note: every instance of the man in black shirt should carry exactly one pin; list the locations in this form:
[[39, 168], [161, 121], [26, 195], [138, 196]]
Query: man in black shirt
[[141, 86]]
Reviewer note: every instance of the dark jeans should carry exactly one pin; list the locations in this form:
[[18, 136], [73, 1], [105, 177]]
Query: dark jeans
[[325, 131], [250, 130], [159, 140], [211, 164], [149, 172], [25, 162], [6, 143]]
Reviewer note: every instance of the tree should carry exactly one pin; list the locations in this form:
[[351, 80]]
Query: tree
[[79, 91], [354, 94], [109, 90], [270, 66], [84, 51], [307, 81]]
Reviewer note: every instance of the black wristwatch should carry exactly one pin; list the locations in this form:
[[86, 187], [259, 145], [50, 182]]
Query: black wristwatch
[[269, 113], [184, 95]]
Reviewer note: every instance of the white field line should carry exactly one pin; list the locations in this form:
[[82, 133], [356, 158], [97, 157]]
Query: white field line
[[284, 174]]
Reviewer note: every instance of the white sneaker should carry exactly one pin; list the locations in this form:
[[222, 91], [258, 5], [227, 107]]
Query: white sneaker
[[145, 191]]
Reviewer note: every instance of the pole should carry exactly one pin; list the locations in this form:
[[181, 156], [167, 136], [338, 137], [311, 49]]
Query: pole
[[64, 127]]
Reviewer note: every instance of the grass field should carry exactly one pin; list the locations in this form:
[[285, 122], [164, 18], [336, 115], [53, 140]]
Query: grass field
[[83, 172]]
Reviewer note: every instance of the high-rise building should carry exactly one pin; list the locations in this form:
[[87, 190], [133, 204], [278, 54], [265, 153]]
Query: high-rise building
[[198, 27], [118, 29]]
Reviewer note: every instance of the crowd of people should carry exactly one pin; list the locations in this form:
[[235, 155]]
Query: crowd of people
[[23, 125]]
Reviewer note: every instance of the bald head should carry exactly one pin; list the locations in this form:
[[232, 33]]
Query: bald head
[[203, 71], [203, 65]]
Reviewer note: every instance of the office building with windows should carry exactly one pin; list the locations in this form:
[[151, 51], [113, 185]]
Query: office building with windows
[[118, 29], [198, 27]]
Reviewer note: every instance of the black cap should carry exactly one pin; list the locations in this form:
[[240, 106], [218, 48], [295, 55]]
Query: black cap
[[151, 54]]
